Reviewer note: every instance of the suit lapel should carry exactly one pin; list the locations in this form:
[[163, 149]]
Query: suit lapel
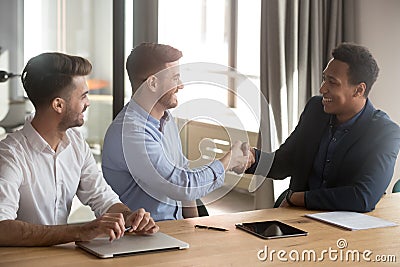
[[311, 140]]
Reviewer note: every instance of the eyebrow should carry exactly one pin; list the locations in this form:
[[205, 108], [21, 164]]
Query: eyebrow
[[329, 76]]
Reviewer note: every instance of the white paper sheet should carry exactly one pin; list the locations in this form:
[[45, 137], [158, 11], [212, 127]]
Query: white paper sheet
[[351, 220]]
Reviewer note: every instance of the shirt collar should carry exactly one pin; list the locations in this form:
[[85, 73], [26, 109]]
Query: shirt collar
[[34, 138], [159, 124], [348, 124], [37, 141]]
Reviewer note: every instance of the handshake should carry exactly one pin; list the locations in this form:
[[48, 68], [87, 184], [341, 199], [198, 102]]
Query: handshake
[[239, 158]]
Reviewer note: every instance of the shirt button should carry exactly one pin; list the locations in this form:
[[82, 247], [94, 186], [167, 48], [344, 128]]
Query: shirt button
[[328, 161], [333, 139]]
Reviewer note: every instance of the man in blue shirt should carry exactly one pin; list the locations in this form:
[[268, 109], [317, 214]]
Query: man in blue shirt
[[341, 155], [142, 155]]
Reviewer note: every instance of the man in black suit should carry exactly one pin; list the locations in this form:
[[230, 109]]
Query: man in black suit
[[342, 153]]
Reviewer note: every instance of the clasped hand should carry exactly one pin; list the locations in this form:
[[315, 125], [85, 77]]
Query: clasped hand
[[242, 157]]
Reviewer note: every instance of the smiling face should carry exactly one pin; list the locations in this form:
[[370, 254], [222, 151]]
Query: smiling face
[[76, 104], [170, 83], [339, 96]]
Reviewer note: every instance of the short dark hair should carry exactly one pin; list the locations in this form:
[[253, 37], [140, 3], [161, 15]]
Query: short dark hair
[[147, 59], [47, 75], [362, 65]]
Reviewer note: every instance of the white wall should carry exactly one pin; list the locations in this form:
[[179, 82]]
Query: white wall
[[377, 27], [88, 31], [11, 39]]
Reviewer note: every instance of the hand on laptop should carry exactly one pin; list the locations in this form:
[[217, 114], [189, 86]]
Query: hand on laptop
[[113, 225], [110, 224], [141, 222]]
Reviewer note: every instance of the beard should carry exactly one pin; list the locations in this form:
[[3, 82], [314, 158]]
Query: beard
[[168, 100], [71, 119]]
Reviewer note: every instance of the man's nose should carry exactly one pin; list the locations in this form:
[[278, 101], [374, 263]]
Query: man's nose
[[322, 88], [180, 84]]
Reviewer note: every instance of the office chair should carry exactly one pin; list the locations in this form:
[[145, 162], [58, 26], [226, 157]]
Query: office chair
[[396, 187], [280, 198], [201, 208]]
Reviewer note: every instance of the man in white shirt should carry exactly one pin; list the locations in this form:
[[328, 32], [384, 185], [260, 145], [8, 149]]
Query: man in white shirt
[[46, 163]]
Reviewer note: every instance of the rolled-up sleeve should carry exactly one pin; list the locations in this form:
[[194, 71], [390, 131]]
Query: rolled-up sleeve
[[10, 181]]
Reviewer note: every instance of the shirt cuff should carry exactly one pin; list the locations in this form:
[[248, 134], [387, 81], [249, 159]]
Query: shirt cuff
[[218, 168], [264, 162]]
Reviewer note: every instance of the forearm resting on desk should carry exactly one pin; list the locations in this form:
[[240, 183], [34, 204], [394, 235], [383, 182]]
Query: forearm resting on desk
[[19, 233], [111, 224], [296, 199]]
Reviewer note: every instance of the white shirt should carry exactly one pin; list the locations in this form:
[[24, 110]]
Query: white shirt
[[37, 184]]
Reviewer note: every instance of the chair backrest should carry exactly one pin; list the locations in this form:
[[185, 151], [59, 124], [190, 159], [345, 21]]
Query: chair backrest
[[201, 208], [281, 197], [396, 187]]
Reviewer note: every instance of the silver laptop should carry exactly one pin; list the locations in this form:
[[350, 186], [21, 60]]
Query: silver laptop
[[131, 244]]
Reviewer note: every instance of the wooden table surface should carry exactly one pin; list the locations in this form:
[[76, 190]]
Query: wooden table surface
[[238, 248]]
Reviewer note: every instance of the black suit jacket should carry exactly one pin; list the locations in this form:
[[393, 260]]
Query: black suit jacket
[[363, 162]]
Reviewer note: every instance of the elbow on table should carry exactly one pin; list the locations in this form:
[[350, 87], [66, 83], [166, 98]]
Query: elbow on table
[[363, 204]]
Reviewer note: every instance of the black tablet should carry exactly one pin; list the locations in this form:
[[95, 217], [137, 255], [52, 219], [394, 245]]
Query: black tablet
[[270, 229]]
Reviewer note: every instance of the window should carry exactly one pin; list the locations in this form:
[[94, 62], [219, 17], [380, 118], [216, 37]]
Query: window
[[82, 28], [201, 29]]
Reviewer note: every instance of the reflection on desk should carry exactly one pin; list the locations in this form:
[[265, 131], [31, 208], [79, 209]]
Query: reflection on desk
[[331, 245]]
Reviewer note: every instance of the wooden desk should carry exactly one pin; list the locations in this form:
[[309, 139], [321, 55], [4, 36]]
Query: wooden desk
[[236, 247]]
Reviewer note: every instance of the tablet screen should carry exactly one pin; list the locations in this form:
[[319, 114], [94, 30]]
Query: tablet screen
[[270, 229]]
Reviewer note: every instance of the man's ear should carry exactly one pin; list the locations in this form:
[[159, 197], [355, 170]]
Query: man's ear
[[152, 83], [58, 104], [360, 89]]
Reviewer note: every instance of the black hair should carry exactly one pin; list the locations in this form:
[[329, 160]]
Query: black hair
[[48, 75], [362, 65]]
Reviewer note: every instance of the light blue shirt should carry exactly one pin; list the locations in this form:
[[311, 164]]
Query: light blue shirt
[[144, 164]]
